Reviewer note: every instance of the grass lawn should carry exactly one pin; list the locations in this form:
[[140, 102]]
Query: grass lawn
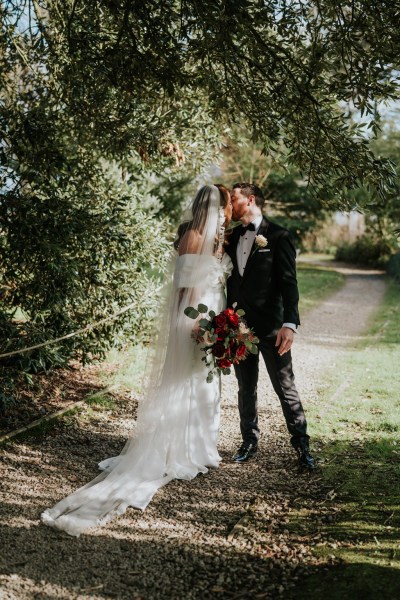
[[356, 427], [315, 283]]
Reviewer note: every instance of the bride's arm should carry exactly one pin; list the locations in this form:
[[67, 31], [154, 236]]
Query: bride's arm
[[189, 244]]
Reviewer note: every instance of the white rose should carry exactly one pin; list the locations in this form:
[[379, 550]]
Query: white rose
[[207, 338], [261, 241], [242, 327]]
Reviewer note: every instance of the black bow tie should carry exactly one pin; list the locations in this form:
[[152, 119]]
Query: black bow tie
[[249, 227]]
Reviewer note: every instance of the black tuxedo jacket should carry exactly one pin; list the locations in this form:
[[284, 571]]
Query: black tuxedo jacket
[[268, 291]]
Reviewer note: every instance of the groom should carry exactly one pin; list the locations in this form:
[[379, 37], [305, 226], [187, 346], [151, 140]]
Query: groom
[[264, 285]]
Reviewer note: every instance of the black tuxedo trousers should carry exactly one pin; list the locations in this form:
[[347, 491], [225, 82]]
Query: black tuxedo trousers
[[281, 375]]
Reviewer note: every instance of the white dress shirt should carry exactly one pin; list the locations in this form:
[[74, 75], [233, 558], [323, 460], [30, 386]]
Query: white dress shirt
[[243, 251]]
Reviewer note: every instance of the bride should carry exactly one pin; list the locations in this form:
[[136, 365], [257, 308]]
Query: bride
[[178, 419]]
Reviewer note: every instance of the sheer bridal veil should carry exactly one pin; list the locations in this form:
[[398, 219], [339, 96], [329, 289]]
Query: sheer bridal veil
[[177, 424]]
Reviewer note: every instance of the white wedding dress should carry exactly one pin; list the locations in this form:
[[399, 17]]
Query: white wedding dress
[[178, 420]]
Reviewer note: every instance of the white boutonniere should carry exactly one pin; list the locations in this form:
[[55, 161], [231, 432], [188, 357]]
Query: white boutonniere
[[261, 241]]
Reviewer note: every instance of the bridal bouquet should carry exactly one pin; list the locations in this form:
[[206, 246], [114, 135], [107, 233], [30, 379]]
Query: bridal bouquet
[[226, 337]]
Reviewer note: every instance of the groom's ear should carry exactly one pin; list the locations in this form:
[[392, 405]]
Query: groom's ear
[[251, 199]]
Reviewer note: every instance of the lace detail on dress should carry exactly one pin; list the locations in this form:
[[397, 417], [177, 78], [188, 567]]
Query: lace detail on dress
[[221, 234]]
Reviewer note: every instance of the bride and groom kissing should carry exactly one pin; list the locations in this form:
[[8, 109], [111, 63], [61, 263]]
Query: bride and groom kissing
[[252, 267]]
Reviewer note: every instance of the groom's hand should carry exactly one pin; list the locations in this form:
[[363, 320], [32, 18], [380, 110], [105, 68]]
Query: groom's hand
[[284, 340]]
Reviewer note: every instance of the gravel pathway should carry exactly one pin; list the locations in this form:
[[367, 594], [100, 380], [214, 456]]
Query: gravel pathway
[[223, 535]]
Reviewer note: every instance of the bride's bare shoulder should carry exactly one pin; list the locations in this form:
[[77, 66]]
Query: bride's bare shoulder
[[190, 242]]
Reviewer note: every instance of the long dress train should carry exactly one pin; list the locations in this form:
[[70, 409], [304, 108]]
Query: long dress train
[[178, 420]]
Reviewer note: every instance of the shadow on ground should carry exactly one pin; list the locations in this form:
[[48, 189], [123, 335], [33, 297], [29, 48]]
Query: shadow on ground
[[331, 535], [179, 548]]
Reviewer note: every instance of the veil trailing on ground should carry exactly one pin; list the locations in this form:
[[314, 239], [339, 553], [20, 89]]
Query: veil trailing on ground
[[178, 417]]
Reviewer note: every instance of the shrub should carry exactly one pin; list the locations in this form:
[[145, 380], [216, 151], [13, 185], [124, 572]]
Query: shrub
[[73, 251], [366, 250], [393, 266]]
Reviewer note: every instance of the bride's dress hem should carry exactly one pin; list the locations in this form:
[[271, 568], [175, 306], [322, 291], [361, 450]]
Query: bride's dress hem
[[63, 523], [74, 526]]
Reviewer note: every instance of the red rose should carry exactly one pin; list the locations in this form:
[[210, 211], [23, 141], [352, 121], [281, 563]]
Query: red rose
[[218, 350], [241, 351], [224, 363], [233, 320], [231, 317], [220, 320]]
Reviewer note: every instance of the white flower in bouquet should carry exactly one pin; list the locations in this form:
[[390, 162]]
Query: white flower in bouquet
[[208, 338]]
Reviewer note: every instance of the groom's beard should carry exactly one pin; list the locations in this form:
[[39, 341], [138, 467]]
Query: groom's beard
[[237, 216]]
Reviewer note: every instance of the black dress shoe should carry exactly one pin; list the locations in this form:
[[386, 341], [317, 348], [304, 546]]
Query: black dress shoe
[[246, 451], [306, 461]]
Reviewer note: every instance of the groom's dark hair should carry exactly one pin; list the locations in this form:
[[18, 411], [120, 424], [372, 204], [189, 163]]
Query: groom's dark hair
[[250, 189]]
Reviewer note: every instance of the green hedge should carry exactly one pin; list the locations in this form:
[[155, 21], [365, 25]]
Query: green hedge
[[393, 266], [365, 251]]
